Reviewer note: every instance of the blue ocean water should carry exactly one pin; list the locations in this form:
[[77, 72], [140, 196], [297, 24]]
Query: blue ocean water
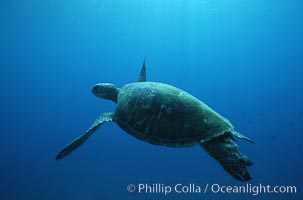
[[242, 58]]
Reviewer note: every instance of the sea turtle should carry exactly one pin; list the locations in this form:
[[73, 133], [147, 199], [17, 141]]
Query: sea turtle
[[162, 114]]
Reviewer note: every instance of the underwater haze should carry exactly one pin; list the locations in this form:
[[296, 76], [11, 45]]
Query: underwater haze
[[242, 58]]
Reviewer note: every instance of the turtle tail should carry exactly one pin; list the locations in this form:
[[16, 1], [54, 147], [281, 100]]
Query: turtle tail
[[225, 150]]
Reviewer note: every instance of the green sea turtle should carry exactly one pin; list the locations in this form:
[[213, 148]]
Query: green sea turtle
[[162, 114]]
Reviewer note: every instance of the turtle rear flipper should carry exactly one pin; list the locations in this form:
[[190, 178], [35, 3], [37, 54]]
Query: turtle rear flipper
[[225, 151], [105, 117]]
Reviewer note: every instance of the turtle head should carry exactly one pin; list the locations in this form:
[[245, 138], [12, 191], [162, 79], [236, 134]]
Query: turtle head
[[106, 91]]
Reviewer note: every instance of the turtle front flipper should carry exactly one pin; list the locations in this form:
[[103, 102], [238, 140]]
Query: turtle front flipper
[[105, 117], [142, 75], [225, 150]]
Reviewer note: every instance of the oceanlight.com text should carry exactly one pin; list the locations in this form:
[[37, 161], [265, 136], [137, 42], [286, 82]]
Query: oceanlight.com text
[[251, 189]]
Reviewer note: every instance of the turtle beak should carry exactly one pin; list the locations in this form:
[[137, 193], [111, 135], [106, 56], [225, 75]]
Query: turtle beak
[[95, 90], [99, 90]]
